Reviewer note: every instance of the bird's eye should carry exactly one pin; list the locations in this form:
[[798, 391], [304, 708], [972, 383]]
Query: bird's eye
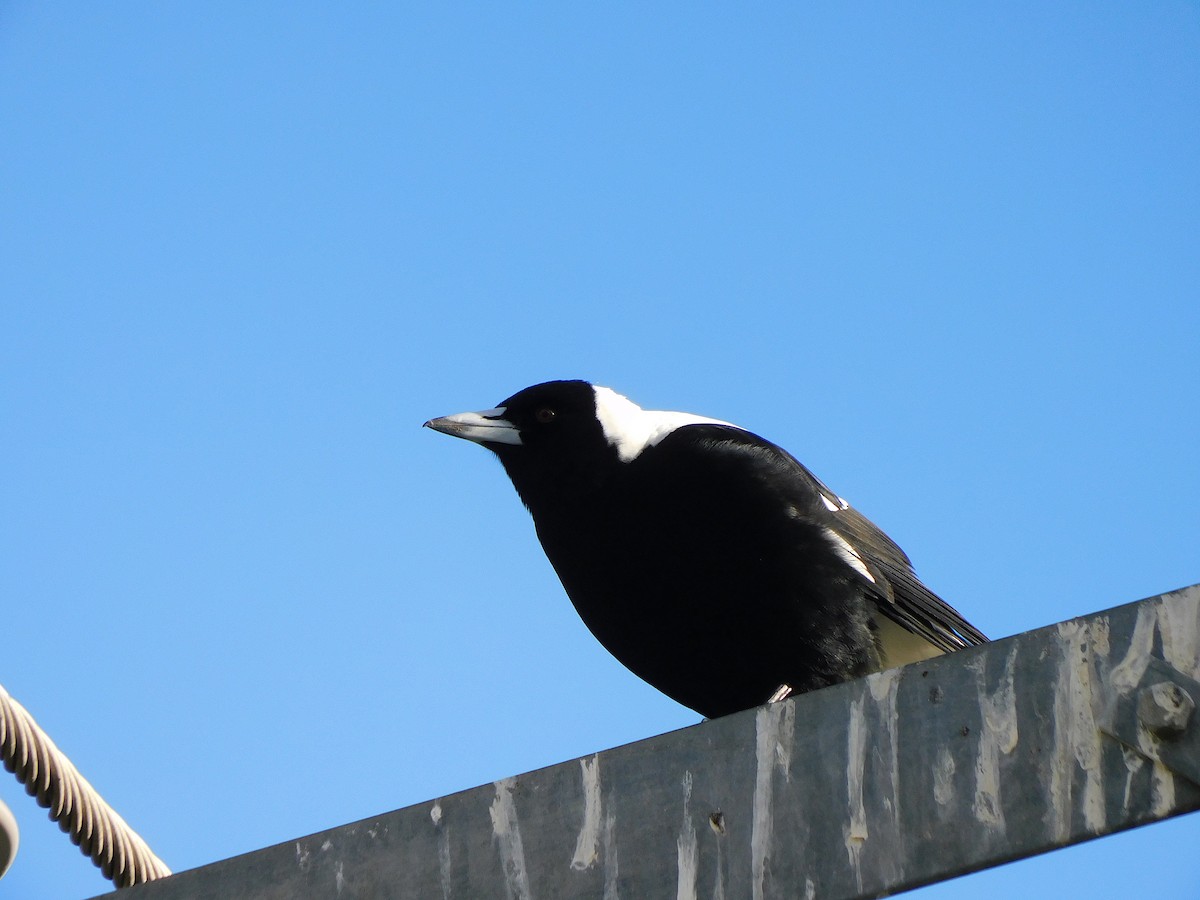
[[545, 415]]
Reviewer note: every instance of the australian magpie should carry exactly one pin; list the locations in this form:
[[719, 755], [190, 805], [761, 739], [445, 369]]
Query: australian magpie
[[706, 559]]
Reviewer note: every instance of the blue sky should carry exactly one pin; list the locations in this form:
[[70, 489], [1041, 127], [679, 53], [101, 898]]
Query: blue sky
[[944, 253]]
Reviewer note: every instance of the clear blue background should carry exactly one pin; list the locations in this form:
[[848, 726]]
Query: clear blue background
[[945, 253]]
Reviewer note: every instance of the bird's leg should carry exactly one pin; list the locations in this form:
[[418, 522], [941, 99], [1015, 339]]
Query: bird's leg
[[781, 693]]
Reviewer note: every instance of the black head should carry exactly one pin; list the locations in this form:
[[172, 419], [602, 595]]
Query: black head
[[548, 437]]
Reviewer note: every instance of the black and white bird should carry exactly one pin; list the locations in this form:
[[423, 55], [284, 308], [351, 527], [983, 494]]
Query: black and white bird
[[706, 559]]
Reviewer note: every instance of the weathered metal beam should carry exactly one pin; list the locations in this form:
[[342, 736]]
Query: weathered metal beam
[[868, 788]]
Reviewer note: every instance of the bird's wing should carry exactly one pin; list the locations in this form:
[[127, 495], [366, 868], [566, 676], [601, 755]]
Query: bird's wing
[[899, 594]]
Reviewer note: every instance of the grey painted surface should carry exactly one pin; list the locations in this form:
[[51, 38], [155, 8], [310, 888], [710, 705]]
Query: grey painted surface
[[907, 777]]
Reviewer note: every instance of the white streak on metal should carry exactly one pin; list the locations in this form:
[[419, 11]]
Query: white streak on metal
[[587, 845], [719, 878], [774, 733], [884, 686], [1076, 736], [444, 871], [1162, 790], [507, 834], [435, 815], [810, 889], [685, 847], [1134, 763], [855, 833], [943, 778], [1129, 671], [785, 737], [1099, 628], [1179, 626], [1178, 623], [612, 869], [880, 762], [339, 878], [998, 735], [1124, 680]]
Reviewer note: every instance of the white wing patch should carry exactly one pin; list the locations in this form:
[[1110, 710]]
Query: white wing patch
[[843, 549], [834, 503], [631, 429]]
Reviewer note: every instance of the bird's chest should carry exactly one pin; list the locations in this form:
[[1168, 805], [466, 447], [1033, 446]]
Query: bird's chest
[[659, 556]]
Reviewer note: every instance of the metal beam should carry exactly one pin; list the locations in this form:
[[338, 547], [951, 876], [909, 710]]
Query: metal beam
[[904, 778]]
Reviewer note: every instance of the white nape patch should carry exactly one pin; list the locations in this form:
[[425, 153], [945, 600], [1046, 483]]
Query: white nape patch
[[834, 503], [843, 549], [631, 429]]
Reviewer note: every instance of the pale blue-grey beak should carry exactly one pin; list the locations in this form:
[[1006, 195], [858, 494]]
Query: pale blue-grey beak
[[488, 426]]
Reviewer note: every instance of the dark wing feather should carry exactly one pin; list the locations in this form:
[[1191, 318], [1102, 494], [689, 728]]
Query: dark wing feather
[[900, 595], [907, 601]]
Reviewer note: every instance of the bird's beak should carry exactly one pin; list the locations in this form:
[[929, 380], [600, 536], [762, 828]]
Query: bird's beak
[[488, 426]]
